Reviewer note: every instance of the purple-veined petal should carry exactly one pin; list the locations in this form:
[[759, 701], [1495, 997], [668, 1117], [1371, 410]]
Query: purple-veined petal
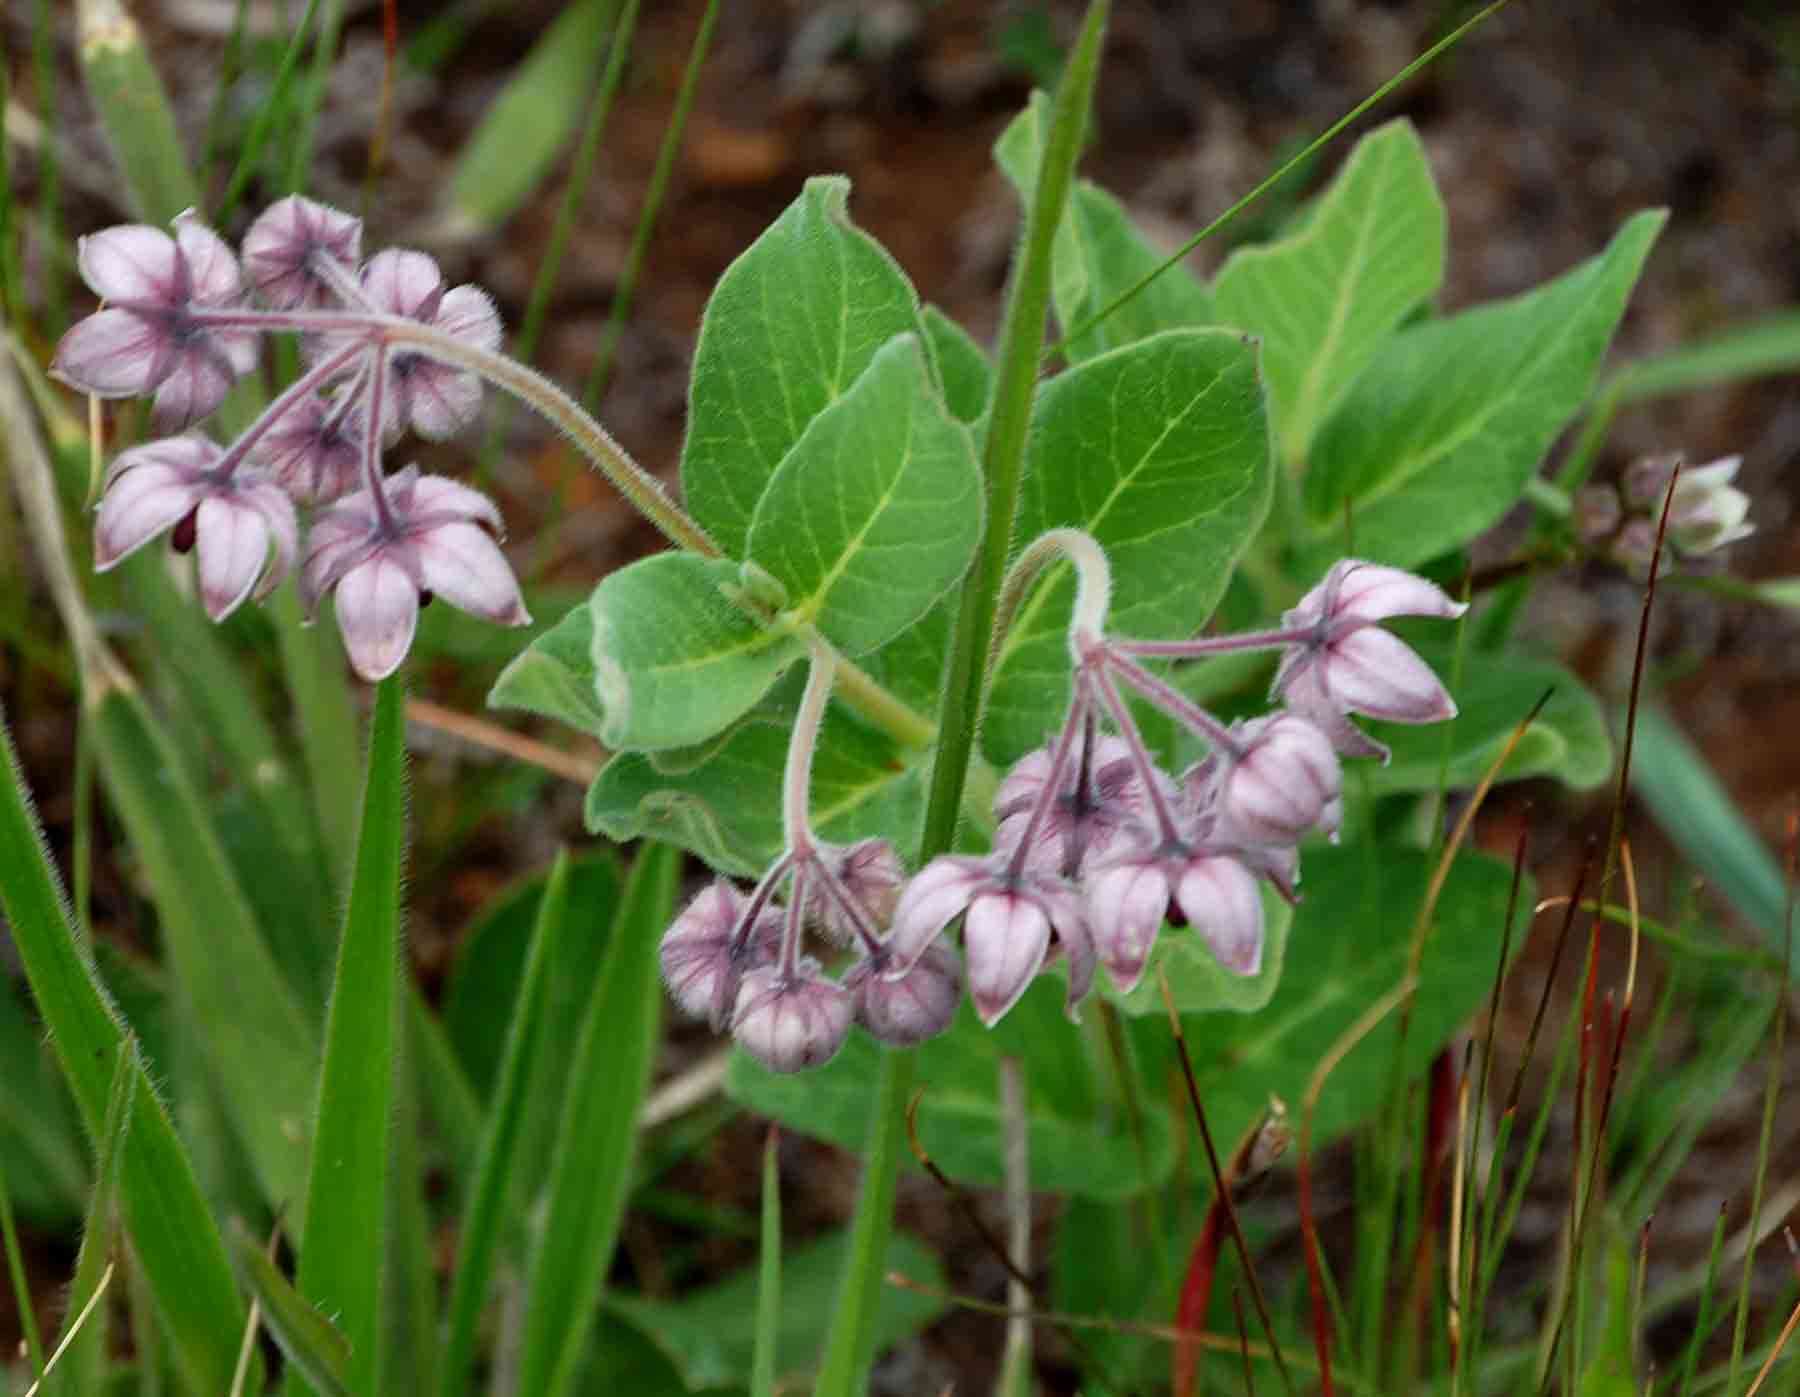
[[112, 353], [437, 498], [1126, 904], [139, 505], [377, 611], [918, 1005], [401, 281], [789, 1024], [469, 313], [231, 548], [438, 401], [1370, 671], [130, 262], [197, 383], [935, 897], [213, 278], [1006, 936], [1219, 898], [461, 563], [1373, 592]]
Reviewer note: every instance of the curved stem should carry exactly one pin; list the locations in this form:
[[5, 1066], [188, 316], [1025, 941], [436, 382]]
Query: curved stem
[[1051, 790], [371, 447], [1205, 645], [796, 784], [306, 384], [1093, 583], [1172, 701]]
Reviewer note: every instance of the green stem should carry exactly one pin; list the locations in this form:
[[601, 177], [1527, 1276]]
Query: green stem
[[848, 1345]]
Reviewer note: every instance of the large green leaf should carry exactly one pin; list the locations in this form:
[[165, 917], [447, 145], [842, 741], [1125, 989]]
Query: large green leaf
[[172, 1232], [1081, 1142], [1437, 438], [728, 809], [554, 675], [1349, 946], [790, 326], [591, 1174], [1324, 299], [708, 1334], [962, 364], [1099, 255], [1161, 452], [342, 1253], [675, 658], [877, 509]]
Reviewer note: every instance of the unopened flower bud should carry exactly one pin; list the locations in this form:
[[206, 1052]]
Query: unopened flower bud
[[1707, 511], [1284, 781], [1218, 897], [696, 953], [871, 873], [284, 249], [790, 1023], [917, 1006], [1646, 481], [1596, 513]]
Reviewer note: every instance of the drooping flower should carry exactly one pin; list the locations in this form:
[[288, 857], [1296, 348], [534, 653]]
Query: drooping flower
[[1707, 511], [789, 1021], [1348, 664], [148, 338], [703, 955], [293, 249], [314, 449], [425, 536], [238, 524], [919, 1004], [436, 400], [1100, 796], [1283, 781], [870, 874], [1131, 895]]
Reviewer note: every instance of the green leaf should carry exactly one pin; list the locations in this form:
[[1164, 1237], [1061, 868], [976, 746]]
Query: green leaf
[[171, 1229], [1567, 740], [259, 1045], [962, 364], [316, 1348], [1197, 982], [709, 1334], [42, 1154], [341, 1256], [1762, 347], [767, 1335], [876, 511], [80, 1369], [1080, 1142], [134, 111], [790, 326], [531, 120], [1349, 946], [492, 952], [1099, 254], [1436, 439], [675, 658], [592, 1170], [728, 809], [1161, 452], [554, 675], [1324, 299], [497, 1170]]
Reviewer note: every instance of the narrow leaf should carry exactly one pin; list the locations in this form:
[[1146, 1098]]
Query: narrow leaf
[[768, 1275], [592, 1170], [1757, 349], [342, 1253], [790, 326], [134, 111], [172, 1232], [1323, 300], [316, 1348], [876, 510], [1437, 438], [495, 1172]]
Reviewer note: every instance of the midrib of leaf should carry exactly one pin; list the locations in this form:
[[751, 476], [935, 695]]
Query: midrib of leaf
[[752, 643], [1411, 466], [809, 609], [1024, 625]]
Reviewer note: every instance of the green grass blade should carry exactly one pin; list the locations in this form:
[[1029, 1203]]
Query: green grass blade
[[21, 1285], [316, 1349], [133, 107], [341, 1259], [1671, 776], [312, 97], [274, 107], [312, 663], [1756, 350], [450, 1101], [79, 1370], [495, 1173], [259, 1045], [768, 1280], [591, 1173], [172, 1233]]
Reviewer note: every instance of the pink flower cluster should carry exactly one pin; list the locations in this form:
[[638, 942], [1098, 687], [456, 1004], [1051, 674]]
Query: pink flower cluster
[[181, 322], [1095, 848]]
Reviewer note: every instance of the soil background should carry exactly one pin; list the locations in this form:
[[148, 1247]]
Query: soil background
[[1545, 130]]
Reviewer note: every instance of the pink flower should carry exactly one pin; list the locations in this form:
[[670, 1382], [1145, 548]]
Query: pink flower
[[1284, 781], [314, 449], [1132, 894], [789, 1022], [435, 400], [240, 526], [147, 338], [384, 557], [1101, 797], [918, 1005], [293, 248], [699, 963], [870, 874], [1350, 665]]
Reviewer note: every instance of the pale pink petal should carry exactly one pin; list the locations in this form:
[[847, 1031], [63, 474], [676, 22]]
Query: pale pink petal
[[1372, 592], [1005, 939], [112, 353], [439, 401], [212, 266], [132, 262], [469, 313], [1125, 906], [1302, 689], [438, 495], [1372, 672], [935, 897], [791, 1024], [277, 510], [280, 245], [401, 281], [199, 382], [462, 564], [231, 544], [141, 504], [377, 610], [1219, 898]]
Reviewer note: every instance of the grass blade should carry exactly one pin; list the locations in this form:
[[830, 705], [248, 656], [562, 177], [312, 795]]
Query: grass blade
[[316, 1349], [172, 1233], [273, 107], [260, 1046], [133, 107], [21, 1286], [592, 1169], [495, 1174], [81, 1360], [341, 1261], [768, 1279]]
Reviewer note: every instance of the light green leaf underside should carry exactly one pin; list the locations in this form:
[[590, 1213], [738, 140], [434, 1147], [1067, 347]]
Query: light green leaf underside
[[877, 509], [962, 364], [1436, 439], [1161, 452], [1324, 299], [727, 810], [1079, 1142], [1099, 254], [790, 326], [554, 675]]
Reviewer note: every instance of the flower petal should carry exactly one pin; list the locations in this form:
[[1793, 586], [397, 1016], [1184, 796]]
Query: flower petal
[[1125, 904], [113, 353], [377, 611], [440, 401], [212, 265], [937, 895], [462, 564], [130, 262], [1373, 592], [140, 504], [401, 281], [469, 313], [1006, 936], [1219, 898], [1372, 672], [198, 383], [231, 541]]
